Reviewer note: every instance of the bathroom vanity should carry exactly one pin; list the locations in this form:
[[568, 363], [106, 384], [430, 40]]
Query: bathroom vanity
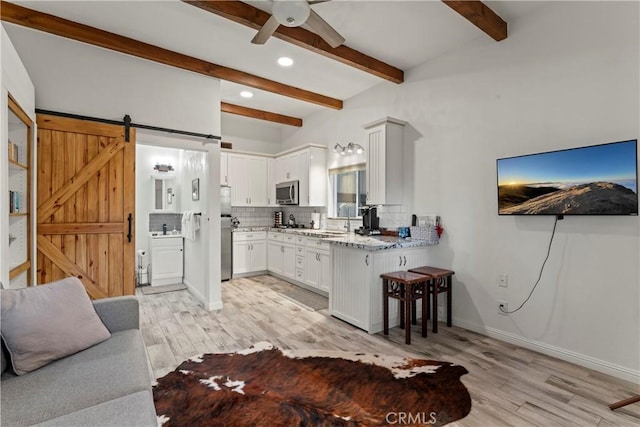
[[167, 260]]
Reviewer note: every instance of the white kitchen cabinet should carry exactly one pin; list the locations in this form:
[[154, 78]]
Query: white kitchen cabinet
[[385, 168], [224, 168], [317, 264], [275, 255], [249, 252], [356, 288], [248, 180], [272, 172], [167, 261], [282, 254], [287, 166]]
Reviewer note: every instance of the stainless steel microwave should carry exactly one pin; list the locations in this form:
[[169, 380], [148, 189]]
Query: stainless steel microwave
[[287, 193]]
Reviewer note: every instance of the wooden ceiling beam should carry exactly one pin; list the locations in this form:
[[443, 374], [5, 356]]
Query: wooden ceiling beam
[[260, 114], [255, 18], [481, 16], [83, 33]]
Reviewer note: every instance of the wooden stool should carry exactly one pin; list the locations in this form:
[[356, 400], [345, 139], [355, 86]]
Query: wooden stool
[[407, 288], [440, 281]]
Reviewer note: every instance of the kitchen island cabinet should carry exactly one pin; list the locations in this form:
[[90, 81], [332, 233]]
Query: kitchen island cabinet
[[356, 287]]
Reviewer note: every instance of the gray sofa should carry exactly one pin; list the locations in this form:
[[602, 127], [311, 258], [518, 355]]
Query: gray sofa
[[108, 384]]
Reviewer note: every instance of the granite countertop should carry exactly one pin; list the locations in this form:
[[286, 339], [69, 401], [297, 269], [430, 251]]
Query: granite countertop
[[310, 232], [370, 243]]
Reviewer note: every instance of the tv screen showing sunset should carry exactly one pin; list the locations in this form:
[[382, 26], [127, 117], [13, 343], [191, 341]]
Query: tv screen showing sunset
[[595, 180]]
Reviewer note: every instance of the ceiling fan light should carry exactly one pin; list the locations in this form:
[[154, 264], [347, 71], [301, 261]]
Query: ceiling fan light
[[291, 13]]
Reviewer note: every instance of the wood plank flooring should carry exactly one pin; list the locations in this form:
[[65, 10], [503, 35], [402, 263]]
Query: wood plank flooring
[[509, 385]]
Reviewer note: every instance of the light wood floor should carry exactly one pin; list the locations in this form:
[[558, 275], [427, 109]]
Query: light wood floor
[[509, 385]]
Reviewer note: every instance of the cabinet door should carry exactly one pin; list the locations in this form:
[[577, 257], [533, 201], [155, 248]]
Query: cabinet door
[[256, 169], [258, 255], [289, 261], [317, 177], [241, 257], [274, 257], [324, 260], [312, 268], [376, 166], [288, 167], [224, 169], [303, 177], [238, 180], [271, 182], [351, 276], [167, 262]]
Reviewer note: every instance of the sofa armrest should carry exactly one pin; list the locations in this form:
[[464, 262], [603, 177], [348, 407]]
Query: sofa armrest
[[118, 313]]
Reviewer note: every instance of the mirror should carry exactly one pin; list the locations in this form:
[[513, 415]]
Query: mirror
[[164, 195]]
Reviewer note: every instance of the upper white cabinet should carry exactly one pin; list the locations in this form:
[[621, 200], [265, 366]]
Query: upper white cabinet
[[247, 178], [272, 171], [385, 169], [224, 168], [287, 168]]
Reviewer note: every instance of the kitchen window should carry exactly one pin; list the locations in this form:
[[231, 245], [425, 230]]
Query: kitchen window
[[347, 191]]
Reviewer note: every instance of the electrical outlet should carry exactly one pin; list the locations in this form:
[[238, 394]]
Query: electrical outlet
[[503, 280], [502, 305]]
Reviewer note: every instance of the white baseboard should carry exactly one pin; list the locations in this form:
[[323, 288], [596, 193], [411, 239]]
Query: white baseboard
[[197, 295], [557, 352]]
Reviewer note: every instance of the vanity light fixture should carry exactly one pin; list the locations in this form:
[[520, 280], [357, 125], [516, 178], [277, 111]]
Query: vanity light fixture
[[349, 149]]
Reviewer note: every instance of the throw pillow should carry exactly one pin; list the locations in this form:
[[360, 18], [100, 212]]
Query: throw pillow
[[45, 323]]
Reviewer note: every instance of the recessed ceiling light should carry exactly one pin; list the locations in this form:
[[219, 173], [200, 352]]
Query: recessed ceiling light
[[246, 94], [285, 61]]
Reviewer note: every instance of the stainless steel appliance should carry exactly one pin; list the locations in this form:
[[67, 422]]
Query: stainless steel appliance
[[226, 236], [287, 193]]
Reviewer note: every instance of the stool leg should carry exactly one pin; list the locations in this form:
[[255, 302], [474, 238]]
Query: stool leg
[[435, 306], [449, 300], [402, 295], [425, 307], [414, 316], [407, 318], [385, 305]]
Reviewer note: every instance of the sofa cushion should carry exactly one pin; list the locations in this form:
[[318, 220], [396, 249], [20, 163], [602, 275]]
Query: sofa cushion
[[132, 410], [106, 371], [44, 323]]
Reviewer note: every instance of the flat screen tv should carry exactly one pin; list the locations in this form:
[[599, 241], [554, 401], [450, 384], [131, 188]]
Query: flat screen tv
[[594, 180]]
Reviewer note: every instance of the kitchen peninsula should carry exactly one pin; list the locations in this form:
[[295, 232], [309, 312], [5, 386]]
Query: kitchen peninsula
[[356, 287]]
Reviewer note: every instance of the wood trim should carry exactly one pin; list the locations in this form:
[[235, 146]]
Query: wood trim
[[16, 271], [17, 110], [481, 16], [129, 207], [227, 145], [255, 18], [57, 199], [82, 228], [47, 121], [69, 267], [65, 28], [260, 114]]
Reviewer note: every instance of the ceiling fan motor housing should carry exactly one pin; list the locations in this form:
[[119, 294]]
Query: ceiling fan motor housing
[[291, 13]]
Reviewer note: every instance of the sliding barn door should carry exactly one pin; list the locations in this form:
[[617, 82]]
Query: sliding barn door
[[86, 201]]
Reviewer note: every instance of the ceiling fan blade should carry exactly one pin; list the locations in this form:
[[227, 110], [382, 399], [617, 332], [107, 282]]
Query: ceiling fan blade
[[266, 31], [324, 30], [317, 1]]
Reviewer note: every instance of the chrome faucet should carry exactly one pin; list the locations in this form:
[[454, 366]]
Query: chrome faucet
[[347, 225]]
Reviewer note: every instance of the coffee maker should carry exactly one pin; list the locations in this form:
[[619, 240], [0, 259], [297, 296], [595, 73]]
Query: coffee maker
[[370, 221]]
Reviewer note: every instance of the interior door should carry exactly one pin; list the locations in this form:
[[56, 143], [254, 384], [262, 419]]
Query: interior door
[[86, 205]]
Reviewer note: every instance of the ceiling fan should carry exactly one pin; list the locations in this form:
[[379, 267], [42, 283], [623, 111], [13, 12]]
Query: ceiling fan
[[294, 13]]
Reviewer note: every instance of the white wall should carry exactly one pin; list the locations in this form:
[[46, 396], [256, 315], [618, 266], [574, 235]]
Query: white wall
[[14, 80], [252, 135], [556, 82], [73, 77]]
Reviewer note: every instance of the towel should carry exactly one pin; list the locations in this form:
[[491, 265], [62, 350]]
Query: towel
[[190, 224]]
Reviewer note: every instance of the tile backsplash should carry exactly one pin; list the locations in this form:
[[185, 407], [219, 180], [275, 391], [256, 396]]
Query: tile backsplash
[[254, 217], [173, 221]]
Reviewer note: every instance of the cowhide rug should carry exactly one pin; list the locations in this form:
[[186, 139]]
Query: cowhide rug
[[265, 386]]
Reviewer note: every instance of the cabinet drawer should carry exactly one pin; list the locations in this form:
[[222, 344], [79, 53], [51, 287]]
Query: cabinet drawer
[[299, 275], [244, 236], [300, 250], [318, 244], [275, 236], [299, 261], [300, 240], [166, 241], [289, 238]]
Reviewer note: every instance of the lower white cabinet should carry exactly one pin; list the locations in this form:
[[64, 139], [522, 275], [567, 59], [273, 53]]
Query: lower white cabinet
[[317, 267], [167, 261], [249, 252], [281, 255], [356, 288]]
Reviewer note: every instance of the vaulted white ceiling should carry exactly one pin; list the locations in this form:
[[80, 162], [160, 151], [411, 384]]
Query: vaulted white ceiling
[[401, 33]]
